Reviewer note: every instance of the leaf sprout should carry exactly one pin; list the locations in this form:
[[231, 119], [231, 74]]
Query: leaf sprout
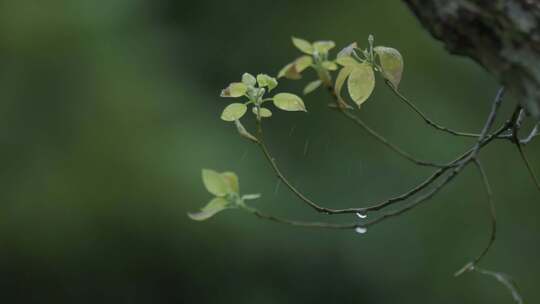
[[226, 190], [254, 89]]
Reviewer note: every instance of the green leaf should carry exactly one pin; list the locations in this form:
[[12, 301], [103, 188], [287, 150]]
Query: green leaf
[[266, 81], [243, 132], [348, 50], [235, 89], [289, 71], [248, 79], [303, 45], [340, 80], [346, 60], [248, 197], [264, 112], [293, 69], [303, 63], [232, 181], [214, 206], [361, 83], [234, 111], [329, 65], [289, 102], [323, 46], [391, 63], [312, 86], [215, 183]]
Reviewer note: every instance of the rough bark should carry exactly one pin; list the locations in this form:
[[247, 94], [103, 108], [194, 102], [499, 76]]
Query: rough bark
[[501, 35]]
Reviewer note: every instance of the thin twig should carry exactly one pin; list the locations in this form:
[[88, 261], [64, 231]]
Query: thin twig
[[425, 118], [535, 132], [295, 223], [517, 142], [385, 142], [261, 143], [482, 141], [463, 162], [504, 279], [489, 122], [343, 108], [492, 211], [493, 217]]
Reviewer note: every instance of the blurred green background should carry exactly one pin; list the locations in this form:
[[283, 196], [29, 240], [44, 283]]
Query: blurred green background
[[109, 110]]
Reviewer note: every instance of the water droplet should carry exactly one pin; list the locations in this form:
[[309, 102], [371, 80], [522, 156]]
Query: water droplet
[[361, 215], [360, 230]]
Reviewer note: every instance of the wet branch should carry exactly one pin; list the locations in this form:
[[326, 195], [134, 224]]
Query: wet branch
[[462, 162], [303, 224], [457, 165], [425, 118]]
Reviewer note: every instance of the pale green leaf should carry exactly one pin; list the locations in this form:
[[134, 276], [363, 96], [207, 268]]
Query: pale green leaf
[[348, 50], [232, 181], [361, 83], [289, 102], [264, 112], [346, 60], [303, 45], [235, 89], [391, 63], [293, 69], [215, 183], [340, 80], [329, 65], [323, 46], [243, 132], [248, 197], [266, 81], [214, 206], [303, 63], [312, 86], [234, 111], [248, 79], [289, 71]]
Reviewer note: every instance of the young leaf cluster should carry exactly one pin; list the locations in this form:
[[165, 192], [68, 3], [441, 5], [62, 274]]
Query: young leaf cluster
[[253, 89], [316, 56], [356, 67], [359, 67], [226, 190]]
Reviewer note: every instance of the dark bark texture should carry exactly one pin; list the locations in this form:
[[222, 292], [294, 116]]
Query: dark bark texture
[[501, 35]]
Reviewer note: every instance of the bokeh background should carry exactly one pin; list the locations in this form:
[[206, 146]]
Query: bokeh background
[[109, 110]]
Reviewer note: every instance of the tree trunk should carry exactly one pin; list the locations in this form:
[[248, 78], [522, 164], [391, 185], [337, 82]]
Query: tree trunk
[[501, 35]]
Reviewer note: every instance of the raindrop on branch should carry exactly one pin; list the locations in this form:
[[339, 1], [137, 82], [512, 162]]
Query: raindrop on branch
[[360, 230], [361, 215]]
